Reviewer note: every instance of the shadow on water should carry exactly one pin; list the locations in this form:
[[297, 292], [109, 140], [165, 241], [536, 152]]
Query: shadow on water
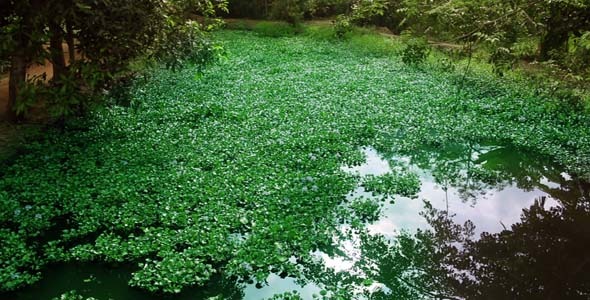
[[104, 282], [490, 222]]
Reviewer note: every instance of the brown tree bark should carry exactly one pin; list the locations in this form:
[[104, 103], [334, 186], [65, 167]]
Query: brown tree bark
[[57, 52], [70, 41], [18, 76]]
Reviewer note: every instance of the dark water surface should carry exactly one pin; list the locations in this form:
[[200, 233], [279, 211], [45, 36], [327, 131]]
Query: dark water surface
[[535, 221]]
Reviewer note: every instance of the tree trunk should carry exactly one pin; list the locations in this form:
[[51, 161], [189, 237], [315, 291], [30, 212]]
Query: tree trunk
[[18, 76], [559, 25], [57, 52], [70, 41], [554, 39]]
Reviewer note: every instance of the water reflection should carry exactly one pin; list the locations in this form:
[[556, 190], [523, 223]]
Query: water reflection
[[277, 285], [543, 256], [499, 225], [111, 282]]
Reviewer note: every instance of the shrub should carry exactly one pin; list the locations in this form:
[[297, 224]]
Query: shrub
[[186, 43], [446, 64], [415, 52], [291, 11], [372, 44], [525, 49], [577, 58], [239, 25], [502, 60], [276, 29], [321, 33], [342, 26]]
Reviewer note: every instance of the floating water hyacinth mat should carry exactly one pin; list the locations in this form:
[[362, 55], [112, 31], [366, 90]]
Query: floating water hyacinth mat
[[238, 170]]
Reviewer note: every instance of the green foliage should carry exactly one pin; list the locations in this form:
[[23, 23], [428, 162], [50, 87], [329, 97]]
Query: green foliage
[[108, 35], [361, 13], [371, 44], [19, 264], [446, 64], [76, 91], [389, 185], [326, 8], [525, 49], [502, 60], [496, 25], [415, 52], [173, 273], [342, 26], [287, 296], [186, 43], [291, 11], [238, 171], [366, 210], [72, 295], [577, 58], [276, 29], [319, 33], [238, 25]]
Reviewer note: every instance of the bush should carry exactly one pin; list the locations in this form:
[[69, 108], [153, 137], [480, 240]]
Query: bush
[[186, 43], [502, 60], [342, 26], [372, 44], [415, 52], [525, 49], [276, 29], [239, 25], [321, 33], [291, 11], [577, 58], [445, 64]]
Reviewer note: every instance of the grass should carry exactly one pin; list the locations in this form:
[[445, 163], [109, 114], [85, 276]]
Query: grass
[[239, 169]]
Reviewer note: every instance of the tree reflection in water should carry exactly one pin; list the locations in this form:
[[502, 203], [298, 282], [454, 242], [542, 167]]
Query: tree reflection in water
[[543, 256]]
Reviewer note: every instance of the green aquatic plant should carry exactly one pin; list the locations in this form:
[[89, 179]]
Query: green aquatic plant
[[73, 295], [237, 171], [390, 184]]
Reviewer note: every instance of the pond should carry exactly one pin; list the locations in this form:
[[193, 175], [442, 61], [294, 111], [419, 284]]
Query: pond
[[489, 221]]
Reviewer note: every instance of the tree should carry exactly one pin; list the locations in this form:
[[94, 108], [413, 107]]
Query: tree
[[562, 19], [108, 34], [22, 41]]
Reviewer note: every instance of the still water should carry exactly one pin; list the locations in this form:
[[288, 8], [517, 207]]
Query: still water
[[528, 224]]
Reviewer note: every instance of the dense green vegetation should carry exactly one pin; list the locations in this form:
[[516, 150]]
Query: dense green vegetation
[[236, 168], [553, 34], [104, 39], [551, 37]]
